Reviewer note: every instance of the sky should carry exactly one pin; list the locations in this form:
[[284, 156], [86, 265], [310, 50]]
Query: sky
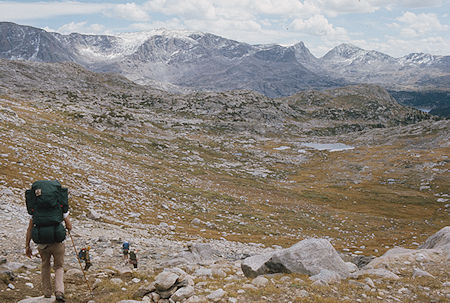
[[396, 28]]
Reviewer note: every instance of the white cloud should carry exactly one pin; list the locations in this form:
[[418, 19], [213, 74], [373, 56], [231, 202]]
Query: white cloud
[[415, 3], [187, 8], [317, 25], [14, 11], [414, 25], [338, 7], [81, 27], [129, 11]]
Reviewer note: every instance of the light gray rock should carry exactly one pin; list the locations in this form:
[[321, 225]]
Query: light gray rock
[[379, 272], [351, 267], [326, 276], [255, 265], [218, 273], [203, 272], [155, 296], [165, 280], [94, 180], [440, 240], [260, 281], [216, 295], [183, 293], [6, 192], [309, 256], [197, 299], [93, 215], [369, 282], [196, 221], [40, 299], [74, 273], [125, 272], [166, 294], [12, 266], [144, 290], [421, 273], [302, 293], [203, 251], [400, 256]]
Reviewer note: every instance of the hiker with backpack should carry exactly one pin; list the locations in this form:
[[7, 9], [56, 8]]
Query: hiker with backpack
[[133, 258], [125, 248], [47, 204], [83, 255]]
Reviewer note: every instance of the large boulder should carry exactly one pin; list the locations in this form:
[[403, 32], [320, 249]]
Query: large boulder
[[398, 256], [256, 265], [183, 293], [165, 280], [310, 256], [435, 250], [440, 240]]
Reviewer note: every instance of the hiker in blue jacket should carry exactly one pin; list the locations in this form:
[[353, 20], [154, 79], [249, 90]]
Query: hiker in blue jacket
[[125, 248]]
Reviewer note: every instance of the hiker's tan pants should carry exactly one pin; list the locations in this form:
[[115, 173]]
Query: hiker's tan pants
[[57, 251]]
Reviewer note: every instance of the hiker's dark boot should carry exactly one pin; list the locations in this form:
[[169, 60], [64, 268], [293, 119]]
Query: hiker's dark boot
[[60, 297]]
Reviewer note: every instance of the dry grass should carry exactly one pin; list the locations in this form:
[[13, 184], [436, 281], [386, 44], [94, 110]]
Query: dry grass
[[367, 199]]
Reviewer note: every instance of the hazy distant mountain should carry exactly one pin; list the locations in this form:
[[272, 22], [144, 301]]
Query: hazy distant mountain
[[411, 71], [190, 61]]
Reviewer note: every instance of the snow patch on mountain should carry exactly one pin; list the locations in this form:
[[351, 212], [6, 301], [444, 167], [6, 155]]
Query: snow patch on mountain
[[125, 44], [418, 59]]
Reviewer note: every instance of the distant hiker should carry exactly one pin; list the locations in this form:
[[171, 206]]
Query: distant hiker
[[133, 258], [125, 248], [47, 203], [83, 255]]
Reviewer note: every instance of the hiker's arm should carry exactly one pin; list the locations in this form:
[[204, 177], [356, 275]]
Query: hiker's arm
[[28, 250], [67, 222]]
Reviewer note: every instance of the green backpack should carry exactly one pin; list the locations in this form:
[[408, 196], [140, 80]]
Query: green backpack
[[46, 202], [133, 256]]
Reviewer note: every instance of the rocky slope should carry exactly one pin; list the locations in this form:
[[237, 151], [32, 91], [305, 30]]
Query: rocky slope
[[199, 182]]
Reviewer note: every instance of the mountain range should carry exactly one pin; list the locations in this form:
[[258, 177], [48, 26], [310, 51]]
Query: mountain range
[[182, 61]]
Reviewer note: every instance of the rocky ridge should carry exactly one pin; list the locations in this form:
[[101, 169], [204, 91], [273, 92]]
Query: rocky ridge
[[186, 61]]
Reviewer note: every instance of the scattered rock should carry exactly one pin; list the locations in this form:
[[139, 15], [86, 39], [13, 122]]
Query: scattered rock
[[183, 293], [361, 261], [379, 272], [196, 221], [260, 281], [216, 295], [40, 299], [74, 273], [421, 273], [93, 215], [326, 276], [144, 290]]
